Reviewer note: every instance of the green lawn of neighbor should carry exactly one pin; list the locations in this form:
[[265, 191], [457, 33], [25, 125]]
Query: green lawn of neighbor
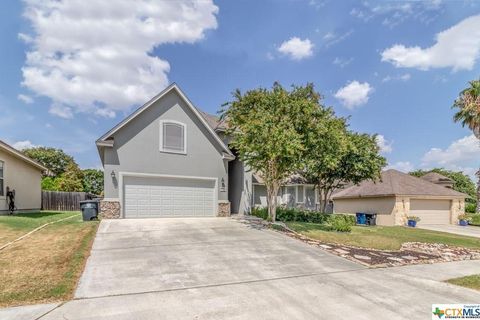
[[382, 237], [472, 282]]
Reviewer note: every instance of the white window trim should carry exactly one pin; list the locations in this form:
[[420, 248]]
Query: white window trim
[[162, 149], [4, 179]]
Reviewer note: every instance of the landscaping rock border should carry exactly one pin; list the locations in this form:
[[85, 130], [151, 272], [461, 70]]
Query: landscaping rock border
[[410, 252]]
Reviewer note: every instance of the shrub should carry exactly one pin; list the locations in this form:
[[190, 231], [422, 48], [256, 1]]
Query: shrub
[[465, 217], [336, 222], [413, 218], [474, 219], [470, 207], [260, 212]]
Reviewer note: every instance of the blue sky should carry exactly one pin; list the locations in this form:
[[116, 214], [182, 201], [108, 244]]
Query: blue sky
[[72, 70]]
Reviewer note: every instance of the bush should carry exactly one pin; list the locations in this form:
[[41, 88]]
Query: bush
[[335, 222], [470, 207], [474, 219]]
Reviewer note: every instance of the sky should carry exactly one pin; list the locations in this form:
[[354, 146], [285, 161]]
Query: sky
[[71, 70]]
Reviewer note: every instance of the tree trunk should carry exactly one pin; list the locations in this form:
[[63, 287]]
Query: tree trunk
[[272, 192]]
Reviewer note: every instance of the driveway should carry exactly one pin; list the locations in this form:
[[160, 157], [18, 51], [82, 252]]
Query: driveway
[[470, 231], [219, 268]]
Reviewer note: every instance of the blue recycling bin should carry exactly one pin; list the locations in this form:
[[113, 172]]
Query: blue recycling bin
[[361, 218]]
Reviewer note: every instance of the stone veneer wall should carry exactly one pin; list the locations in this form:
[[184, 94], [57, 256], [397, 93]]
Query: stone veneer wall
[[457, 208], [223, 209], [401, 210], [109, 209]]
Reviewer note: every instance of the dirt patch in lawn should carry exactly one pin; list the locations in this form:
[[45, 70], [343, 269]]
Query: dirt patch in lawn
[[45, 266]]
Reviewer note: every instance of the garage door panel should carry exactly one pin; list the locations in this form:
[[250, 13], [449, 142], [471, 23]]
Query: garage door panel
[[168, 197], [431, 211]]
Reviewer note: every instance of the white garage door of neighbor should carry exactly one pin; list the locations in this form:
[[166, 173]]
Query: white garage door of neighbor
[[431, 211], [168, 197]]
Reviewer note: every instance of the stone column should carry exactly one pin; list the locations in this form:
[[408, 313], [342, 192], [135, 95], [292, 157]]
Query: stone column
[[457, 208], [223, 209], [109, 209], [401, 210]]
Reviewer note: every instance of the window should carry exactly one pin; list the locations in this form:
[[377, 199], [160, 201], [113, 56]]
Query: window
[[300, 194], [173, 137], [2, 165]]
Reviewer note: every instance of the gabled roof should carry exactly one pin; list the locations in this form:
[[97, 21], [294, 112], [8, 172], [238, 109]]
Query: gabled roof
[[103, 140], [20, 155], [214, 121], [396, 183], [435, 177]]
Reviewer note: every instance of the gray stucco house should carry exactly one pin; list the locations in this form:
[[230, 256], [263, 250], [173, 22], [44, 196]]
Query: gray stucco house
[[170, 159]]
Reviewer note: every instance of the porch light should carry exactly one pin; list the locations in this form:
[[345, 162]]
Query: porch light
[[222, 186], [112, 174]]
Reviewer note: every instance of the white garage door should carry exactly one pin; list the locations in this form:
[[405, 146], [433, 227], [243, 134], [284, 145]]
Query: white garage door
[[168, 197], [431, 211]]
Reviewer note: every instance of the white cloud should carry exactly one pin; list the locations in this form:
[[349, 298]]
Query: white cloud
[[354, 94], [457, 47], [88, 55], [403, 77], [332, 38], [384, 145], [21, 145], [25, 99], [395, 13], [296, 48], [458, 153], [342, 63], [61, 111], [404, 166]]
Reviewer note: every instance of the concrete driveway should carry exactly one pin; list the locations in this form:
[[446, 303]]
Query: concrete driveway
[[219, 268], [470, 231]]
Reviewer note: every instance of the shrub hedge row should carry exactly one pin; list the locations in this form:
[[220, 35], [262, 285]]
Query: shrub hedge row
[[335, 222]]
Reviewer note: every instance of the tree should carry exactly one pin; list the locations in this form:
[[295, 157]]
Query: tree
[[54, 159], [71, 179], [50, 184], [468, 114], [356, 159], [268, 128], [462, 182], [93, 181]]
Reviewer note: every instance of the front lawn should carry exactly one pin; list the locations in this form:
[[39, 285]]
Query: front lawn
[[46, 265], [472, 282], [12, 227], [380, 237]]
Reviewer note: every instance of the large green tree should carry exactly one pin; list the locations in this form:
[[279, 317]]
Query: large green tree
[[93, 181], [468, 114], [71, 179], [54, 159], [354, 158], [268, 129]]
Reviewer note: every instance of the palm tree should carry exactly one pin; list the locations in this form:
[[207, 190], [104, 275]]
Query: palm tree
[[468, 114]]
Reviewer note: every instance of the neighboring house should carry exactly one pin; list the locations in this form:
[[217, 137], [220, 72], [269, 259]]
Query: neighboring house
[[22, 174], [398, 195], [439, 179]]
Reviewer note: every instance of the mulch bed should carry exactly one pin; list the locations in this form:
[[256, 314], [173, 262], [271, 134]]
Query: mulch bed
[[410, 252]]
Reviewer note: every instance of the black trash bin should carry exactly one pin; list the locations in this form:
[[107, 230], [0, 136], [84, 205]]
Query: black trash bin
[[371, 219], [89, 209]]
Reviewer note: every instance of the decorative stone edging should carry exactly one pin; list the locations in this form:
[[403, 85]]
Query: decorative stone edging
[[409, 253]]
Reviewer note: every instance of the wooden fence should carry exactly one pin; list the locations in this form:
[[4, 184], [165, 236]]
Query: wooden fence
[[63, 201]]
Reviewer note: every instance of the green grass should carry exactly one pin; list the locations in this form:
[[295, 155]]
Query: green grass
[[46, 265], [26, 221], [472, 282], [14, 226], [380, 237]]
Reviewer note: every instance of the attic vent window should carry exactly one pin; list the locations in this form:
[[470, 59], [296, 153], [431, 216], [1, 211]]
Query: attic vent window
[[173, 137]]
